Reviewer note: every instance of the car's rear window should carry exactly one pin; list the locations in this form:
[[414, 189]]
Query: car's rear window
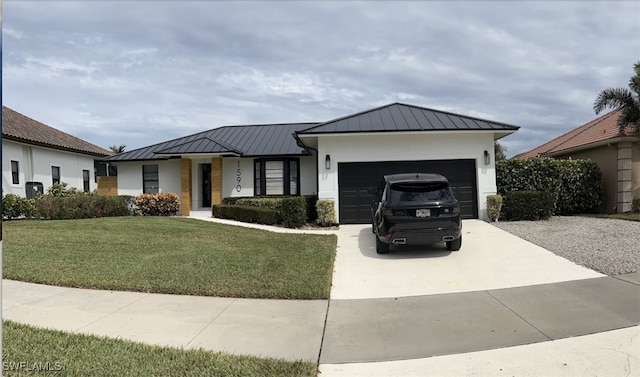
[[420, 192]]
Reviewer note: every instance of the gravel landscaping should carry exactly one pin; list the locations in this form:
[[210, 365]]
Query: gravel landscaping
[[609, 246]]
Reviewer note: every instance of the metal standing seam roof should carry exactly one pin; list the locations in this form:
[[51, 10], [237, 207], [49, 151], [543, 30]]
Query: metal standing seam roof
[[18, 127], [279, 140], [399, 117], [247, 141]]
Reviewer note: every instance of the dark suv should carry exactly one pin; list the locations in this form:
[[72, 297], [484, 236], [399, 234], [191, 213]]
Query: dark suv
[[415, 208]]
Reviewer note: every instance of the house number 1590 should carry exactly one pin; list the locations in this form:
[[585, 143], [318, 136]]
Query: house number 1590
[[238, 178]]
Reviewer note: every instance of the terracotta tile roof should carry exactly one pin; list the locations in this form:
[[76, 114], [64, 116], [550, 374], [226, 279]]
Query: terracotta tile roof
[[600, 129], [18, 127]]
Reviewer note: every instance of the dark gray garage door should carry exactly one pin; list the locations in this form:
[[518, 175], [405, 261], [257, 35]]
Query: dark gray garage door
[[355, 178]]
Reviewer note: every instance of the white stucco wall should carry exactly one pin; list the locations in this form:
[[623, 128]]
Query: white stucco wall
[[406, 147], [130, 176], [35, 166], [230, 176]]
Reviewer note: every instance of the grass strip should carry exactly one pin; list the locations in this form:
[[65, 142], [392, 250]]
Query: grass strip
[[29, 350], [169, 255]]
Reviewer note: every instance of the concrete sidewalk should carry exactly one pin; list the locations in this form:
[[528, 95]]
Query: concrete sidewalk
[[356, 331]]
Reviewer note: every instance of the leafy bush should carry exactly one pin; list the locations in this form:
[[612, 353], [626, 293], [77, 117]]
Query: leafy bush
[[635, 204], [494, 206], [276, 202], [326, 212], [312, 214], [80, 206], [527, 205], [259, 215], [581, 188], [575, 185], [262, 202], [293, 211], [14, 206], [161, 204], [62, 190]]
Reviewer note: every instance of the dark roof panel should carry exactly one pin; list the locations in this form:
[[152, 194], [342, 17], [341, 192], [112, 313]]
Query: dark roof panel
[[254, 140], [398, 117]]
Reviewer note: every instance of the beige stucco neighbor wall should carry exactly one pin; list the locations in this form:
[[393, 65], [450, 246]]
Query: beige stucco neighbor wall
[[606, 157]]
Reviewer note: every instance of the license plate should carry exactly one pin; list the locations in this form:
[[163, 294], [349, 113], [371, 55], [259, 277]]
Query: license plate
[[423, 212]]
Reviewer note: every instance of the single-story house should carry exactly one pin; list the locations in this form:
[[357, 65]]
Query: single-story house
[[617, 153], [337, 160], [35, 156]]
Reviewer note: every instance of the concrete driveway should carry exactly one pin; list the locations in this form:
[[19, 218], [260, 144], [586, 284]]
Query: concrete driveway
[[490, 258]]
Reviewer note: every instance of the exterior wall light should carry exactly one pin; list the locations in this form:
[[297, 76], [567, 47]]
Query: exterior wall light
[[327, 162], [487, 158]]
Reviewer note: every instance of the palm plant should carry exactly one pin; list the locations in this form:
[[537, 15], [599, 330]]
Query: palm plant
[[118, 149], [625, 100]]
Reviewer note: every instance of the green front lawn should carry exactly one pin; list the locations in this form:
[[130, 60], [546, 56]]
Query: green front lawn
[[32, 351], [169, 255]]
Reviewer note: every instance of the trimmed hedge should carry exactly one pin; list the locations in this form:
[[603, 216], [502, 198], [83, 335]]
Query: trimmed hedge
[[293, 211], [259, 215], [80, 207], [527, 205], [575, 186], [273, 202], [326, 212], [290, 213], [635, 204]]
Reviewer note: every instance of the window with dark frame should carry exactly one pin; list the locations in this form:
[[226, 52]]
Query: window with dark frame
[[150, 179], [15, 172], [86, 176], [276, 177], [55, 174]]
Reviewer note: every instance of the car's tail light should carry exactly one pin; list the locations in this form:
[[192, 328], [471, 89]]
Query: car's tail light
[[387, 212], [456, 209]]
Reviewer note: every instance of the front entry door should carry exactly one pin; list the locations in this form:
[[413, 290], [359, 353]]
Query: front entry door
[[205, 174]]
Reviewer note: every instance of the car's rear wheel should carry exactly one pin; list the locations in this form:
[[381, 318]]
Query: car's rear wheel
[[455, 245], [381, 247]]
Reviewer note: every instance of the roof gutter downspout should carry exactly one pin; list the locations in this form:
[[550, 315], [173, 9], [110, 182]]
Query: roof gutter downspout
[[307, 148]]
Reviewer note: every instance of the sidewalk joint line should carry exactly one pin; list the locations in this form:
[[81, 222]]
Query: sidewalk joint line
[[145, 295], [210, 322], [518, 315], [324, 330]]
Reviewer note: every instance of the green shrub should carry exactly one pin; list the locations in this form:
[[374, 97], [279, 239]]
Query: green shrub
[[635, 204], [161, 204], [575, 185], [494, 206], [247, 214], [312, 214], [527, 205], [293, 211], [326, 212], [581, 187], [80, 207], [62, 190], [262, 202], [14, 206]]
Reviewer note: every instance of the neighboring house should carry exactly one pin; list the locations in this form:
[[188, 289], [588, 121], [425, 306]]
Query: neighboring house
[[338, 160], [617, 153], [35, 156]]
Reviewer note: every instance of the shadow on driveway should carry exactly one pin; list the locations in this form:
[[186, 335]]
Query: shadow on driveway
[[367, 246]]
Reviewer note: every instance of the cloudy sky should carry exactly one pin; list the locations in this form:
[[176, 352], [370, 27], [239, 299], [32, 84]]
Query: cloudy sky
[[141, 72]]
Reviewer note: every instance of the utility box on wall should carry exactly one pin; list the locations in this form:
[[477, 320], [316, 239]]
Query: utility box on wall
[[33, 189]]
